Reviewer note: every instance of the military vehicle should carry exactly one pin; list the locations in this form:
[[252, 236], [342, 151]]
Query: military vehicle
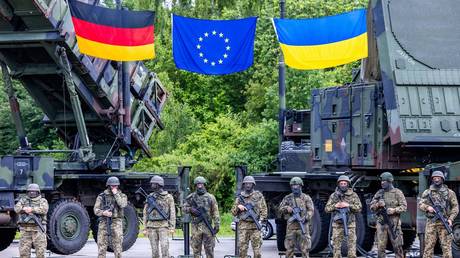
[[401, 113], [105, 112]]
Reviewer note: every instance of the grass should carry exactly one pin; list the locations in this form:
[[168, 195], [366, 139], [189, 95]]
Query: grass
[[225, 229]]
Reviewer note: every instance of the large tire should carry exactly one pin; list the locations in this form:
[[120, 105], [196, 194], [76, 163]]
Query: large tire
[[267, 231], [319, 227], [68, 227], [280, 234], [364, 236], [7, 237], [130, 228]]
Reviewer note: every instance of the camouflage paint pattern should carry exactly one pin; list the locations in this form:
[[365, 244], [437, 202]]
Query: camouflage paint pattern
[[17, 172]]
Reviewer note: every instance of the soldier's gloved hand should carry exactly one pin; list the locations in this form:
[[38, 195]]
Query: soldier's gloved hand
[[381, 203], [27, 209], [450, 222], [391, 211], [241, 207], [172, 231], [289, 209], [216, 228], [144, 231], [195, 211], [430, 209], [107, 213]]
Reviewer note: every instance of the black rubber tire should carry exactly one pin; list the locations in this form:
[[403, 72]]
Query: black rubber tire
[[59, 243], [319, 227], [130, 231], [268, 233], [364, 235], [7, 237], [280, 234]]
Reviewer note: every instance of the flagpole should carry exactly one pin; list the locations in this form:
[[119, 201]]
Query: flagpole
[[281, 84], [124, 96]]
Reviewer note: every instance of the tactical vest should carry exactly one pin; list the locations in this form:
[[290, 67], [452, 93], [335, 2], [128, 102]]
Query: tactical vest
[[109, 203], [205, 201], [162, 202], [253, 198], [24, 218], [440, 198], [338, 197], [299, 202]]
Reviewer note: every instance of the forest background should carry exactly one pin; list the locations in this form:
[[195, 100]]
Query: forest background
[[211, 122]]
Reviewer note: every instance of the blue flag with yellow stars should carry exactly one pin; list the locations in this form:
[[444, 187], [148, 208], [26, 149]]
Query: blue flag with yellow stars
[[213, 47]]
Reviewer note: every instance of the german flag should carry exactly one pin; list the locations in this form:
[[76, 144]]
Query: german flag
[[119, 35]]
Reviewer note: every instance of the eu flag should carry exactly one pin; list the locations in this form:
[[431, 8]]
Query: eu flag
[[213, 46]]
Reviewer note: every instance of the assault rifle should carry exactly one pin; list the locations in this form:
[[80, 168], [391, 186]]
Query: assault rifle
[[30, 216], [151, 203], [249, 212], [382, 211], [296, 216], [344, 217], [438, 214], [203, 216], [108, 207]]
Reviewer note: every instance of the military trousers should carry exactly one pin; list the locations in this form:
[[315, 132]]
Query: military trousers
[[159, 241], [433, 231], [249, 235], [383, 233], [116, 237], [202, 237], [338, 236], [32, 236], [295, 238]]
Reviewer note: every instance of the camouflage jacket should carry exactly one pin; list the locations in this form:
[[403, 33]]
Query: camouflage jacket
[[209, 204], [304, 202], [39, 207], [393, 198], [166, 203], [444, 197], [257, 199], [350, 197], [106, 200]]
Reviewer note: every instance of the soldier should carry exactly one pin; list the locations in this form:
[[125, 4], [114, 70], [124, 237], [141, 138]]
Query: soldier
[[247, 229], [109, 208], [156, 226], [344, 197], [289, 205], [202, 206], [32, 210], [393, 200], [447, 201]]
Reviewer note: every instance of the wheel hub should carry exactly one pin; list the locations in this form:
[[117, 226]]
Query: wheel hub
[[70, 226]]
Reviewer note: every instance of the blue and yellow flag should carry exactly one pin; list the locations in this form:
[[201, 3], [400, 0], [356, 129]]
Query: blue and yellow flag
[[213, 47], [323, 42]]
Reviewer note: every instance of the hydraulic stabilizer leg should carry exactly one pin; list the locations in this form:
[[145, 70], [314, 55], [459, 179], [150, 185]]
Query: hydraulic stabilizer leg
[[14, 106], [86, 150]]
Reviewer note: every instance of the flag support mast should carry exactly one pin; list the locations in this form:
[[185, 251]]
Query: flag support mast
[[281, 84]]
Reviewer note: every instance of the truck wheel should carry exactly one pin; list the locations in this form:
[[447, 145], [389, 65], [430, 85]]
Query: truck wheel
[[319, 227], [7, 238], [364, 236], [267, 231], [280, 234], [130, 228], [68, 227]]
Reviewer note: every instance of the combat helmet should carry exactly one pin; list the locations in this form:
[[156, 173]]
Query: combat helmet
[[157, 180], [386, 176], [199, 180], [249, 179], [296, 181], [438, 173], [344, 178], [33, 188], [113, 180]]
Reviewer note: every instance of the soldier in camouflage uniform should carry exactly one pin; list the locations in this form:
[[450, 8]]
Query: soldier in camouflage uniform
[[294, 236], [157, 227], [109, 206], [446, 199], [343, 197], [32, 205], [201, 234], [247, 229], [395, 203]]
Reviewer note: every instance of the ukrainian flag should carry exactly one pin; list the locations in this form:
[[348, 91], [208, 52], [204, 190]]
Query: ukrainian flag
[[323, 42]]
